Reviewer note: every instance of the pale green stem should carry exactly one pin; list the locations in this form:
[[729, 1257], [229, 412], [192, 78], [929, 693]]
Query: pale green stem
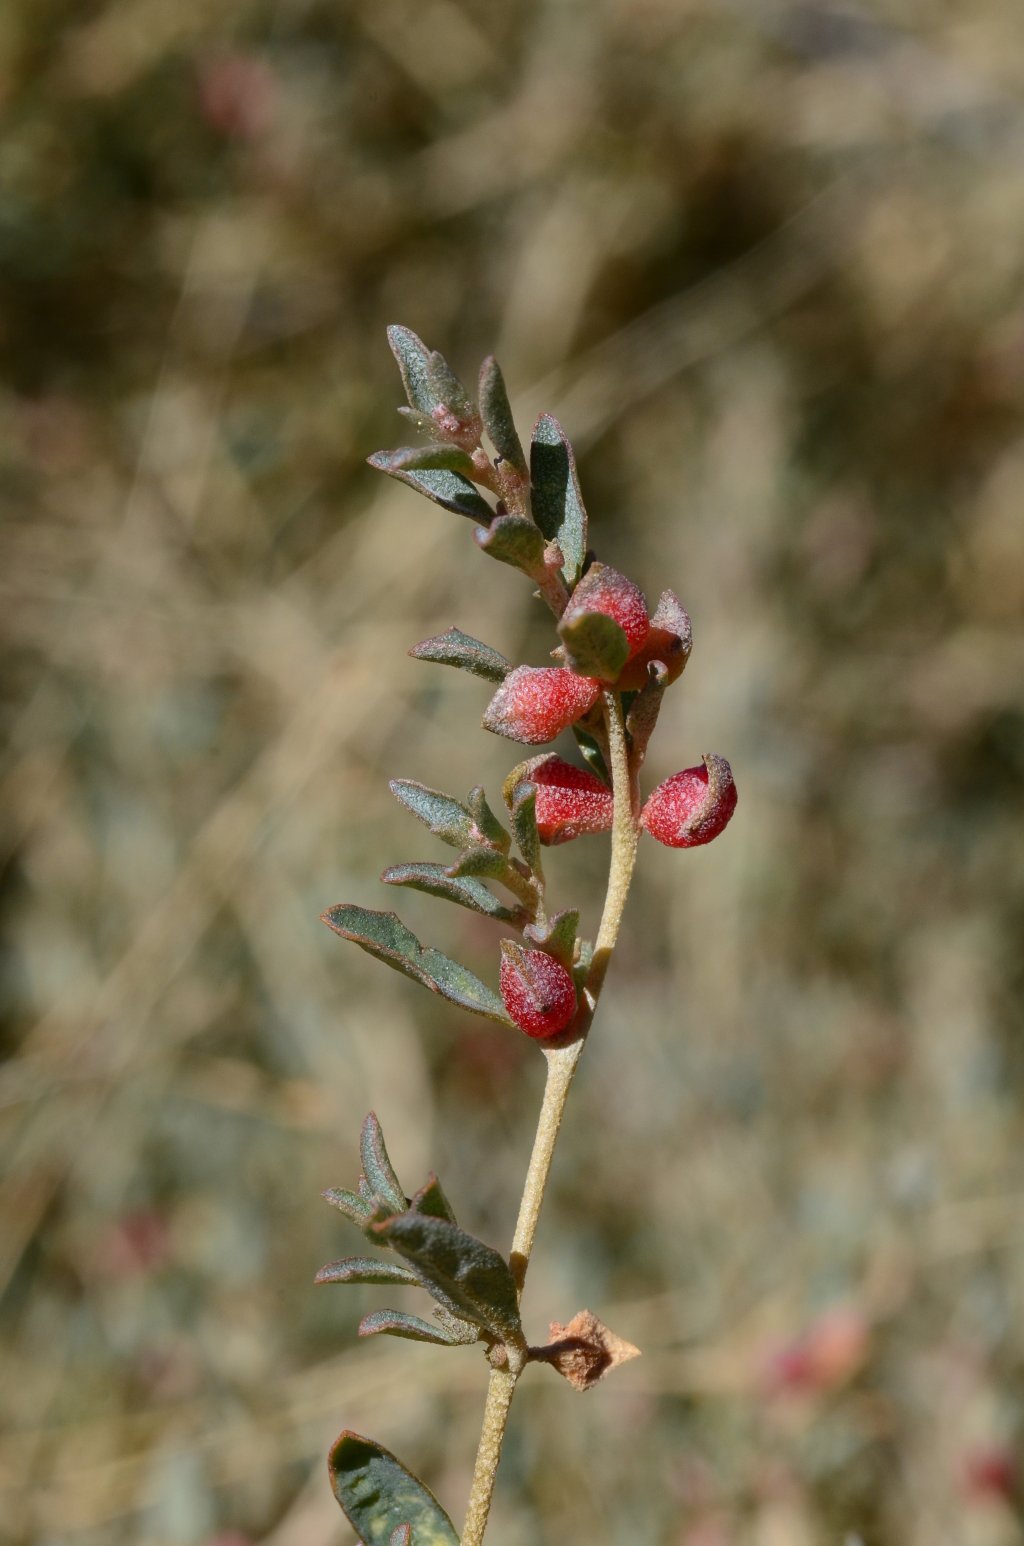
[[562, 1061]]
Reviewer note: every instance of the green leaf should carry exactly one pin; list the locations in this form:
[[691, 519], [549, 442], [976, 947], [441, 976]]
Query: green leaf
[[487, 862], [557, 502], [420, 421], [496, 412], [446, 388], [559, 938], [430, 1199], [429, 459], [595, 645], [413, 358], [446, 488], [467, 1276], [592, 752], [453, 648], [581, 969], [378, 1169], [379, 1495], [524, 823], [365, 1269], [385, 936], [487, 824], [447, 818], [358, 1209], [514, 540], [394, 1323], [467, 891]]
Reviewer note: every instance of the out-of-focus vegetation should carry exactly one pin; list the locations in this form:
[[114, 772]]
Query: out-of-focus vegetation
[[767, 264]]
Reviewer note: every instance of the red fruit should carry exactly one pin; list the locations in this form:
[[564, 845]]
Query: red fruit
[[539, 993], [670, 641], [603, 589], [534, 704], [693, 806], [570, 801]]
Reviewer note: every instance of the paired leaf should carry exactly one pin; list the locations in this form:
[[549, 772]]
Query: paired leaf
[[385, 936], [394, 1323], [488, 862], [453, 648], [379, 1496], [557, 502], [435, 458], [559, 938], [446, 488], [524, 823], [487, 824], [468, 1277], [378, 1170], [366, 1269], [591, 749], [358, 1209], [514, 540], [430, 1199], [413, 358], [447, 818], [496, 412], [595, 645], [466, 890]]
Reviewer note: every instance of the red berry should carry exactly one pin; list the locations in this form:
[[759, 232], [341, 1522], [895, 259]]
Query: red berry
[[534, 704], [603, 589], [570, 801], [539, 993], [669, 641], [693, 806]]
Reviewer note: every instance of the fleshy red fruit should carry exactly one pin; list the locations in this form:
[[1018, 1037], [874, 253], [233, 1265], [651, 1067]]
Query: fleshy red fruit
[[693, 806], [534, 704], [571, 801], [603, 589], [538, 992], [670, 641]]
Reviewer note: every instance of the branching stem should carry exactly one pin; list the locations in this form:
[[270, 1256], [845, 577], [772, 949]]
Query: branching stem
[[562, 1060]]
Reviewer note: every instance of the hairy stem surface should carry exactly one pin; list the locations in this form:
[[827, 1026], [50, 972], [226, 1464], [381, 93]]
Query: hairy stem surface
[[562, 1061]]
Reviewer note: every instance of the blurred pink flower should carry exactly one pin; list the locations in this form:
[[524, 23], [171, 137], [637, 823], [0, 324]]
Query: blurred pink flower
[[238, 96]]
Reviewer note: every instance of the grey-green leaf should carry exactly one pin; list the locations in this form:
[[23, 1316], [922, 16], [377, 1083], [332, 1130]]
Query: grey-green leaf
[[468, 1276], [559, 938], [595, 645], [394, 1323], [429, 459], [413, 358], [358, 1209], [466, 890], [524, 823], [447, 819], [377, 1167], [487, 824], [446, 488], [496, 412], [385, 936], [581, 969], [430, 1199], [489, 863], [591, 750], [445, 386], [379, 1495], [366, 1269], [453, 648], [557, 502], [514, 540]]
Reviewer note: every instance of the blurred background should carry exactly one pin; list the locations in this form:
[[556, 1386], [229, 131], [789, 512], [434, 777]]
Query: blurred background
[[765, 261]]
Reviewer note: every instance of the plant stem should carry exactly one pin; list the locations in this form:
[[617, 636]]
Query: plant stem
[[562, 1061]]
